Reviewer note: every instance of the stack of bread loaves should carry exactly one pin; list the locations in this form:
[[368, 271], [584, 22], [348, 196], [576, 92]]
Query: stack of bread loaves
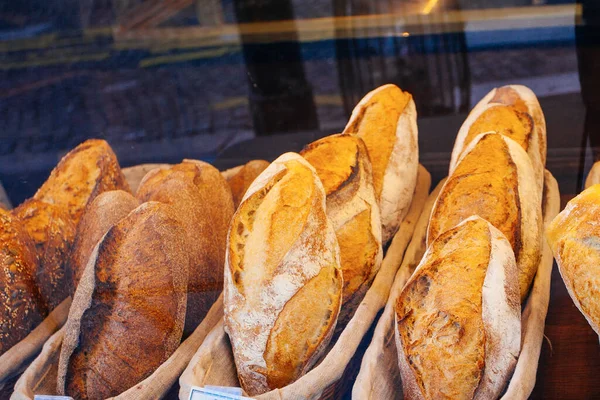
[[458, 318], [36, 237], [306, 241]]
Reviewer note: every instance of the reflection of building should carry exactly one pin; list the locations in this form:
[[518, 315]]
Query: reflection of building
[[440, 85]]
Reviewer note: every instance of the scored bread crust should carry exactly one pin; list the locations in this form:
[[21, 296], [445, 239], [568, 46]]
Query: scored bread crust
[[202, 198], [103, 212], [454, 205], [52, 231], [342, 163], [521, 99], [128, 311], [395, 186], [283, 284], [240, 178], [21, 308], [497, 300], [86, 171], [574, 237]]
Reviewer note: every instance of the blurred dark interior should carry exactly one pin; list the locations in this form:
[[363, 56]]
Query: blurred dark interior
[[230, 80]]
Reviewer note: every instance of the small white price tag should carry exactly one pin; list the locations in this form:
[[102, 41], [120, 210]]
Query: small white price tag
[[48, 397], [216, 393]]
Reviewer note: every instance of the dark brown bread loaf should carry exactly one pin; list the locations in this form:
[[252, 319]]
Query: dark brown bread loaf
[[128, 311], [52, 231], [86, 171], [21, 308], [202, 198], [103, 212]]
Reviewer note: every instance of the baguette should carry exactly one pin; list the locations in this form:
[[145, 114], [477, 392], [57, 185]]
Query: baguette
[[283, 282], [52, 231], [202, 198], [86, 171], [458, 318], [239, 179], [128, 311], [386, 119], [342, 163], [493, 179], [574, 238], [21, 307], [513, 111], [103, 212]]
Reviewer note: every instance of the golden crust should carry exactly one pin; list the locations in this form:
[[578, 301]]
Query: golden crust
[[505, 120], [574, 237], [86, 171], [376, 125], [283, 281], [103, 212], [458, 318], [243, 178], [343, 165], [52, 231], [490, 181], [21, 308], [202, 198]]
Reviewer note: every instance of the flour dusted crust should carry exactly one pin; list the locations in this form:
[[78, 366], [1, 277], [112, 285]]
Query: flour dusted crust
[[574, 236], [283, 283], [512, 110], [128, 311], [493, 179], [458, 326], [386, 119], [342, 163], [86, 171], [103, 212], [202, 199]]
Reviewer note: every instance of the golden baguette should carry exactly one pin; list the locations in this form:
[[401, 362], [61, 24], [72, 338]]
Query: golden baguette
[[283, 282], [493, 179]]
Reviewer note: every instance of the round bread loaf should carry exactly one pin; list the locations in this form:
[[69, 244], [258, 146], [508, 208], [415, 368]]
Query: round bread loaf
[[52, 231], [21, 307], [104, 211], [202, 199]]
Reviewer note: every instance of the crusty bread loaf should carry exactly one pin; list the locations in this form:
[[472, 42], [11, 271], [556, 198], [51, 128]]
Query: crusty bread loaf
[[342, 163], [52, 231], [283, 282], [240, 178], [513, 111], [21, 308], [386, 119], [102, 213], [134, 175], [202, 198], [494, 179], [574, 236], [86, 171], [128, 311], [458, 319]]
